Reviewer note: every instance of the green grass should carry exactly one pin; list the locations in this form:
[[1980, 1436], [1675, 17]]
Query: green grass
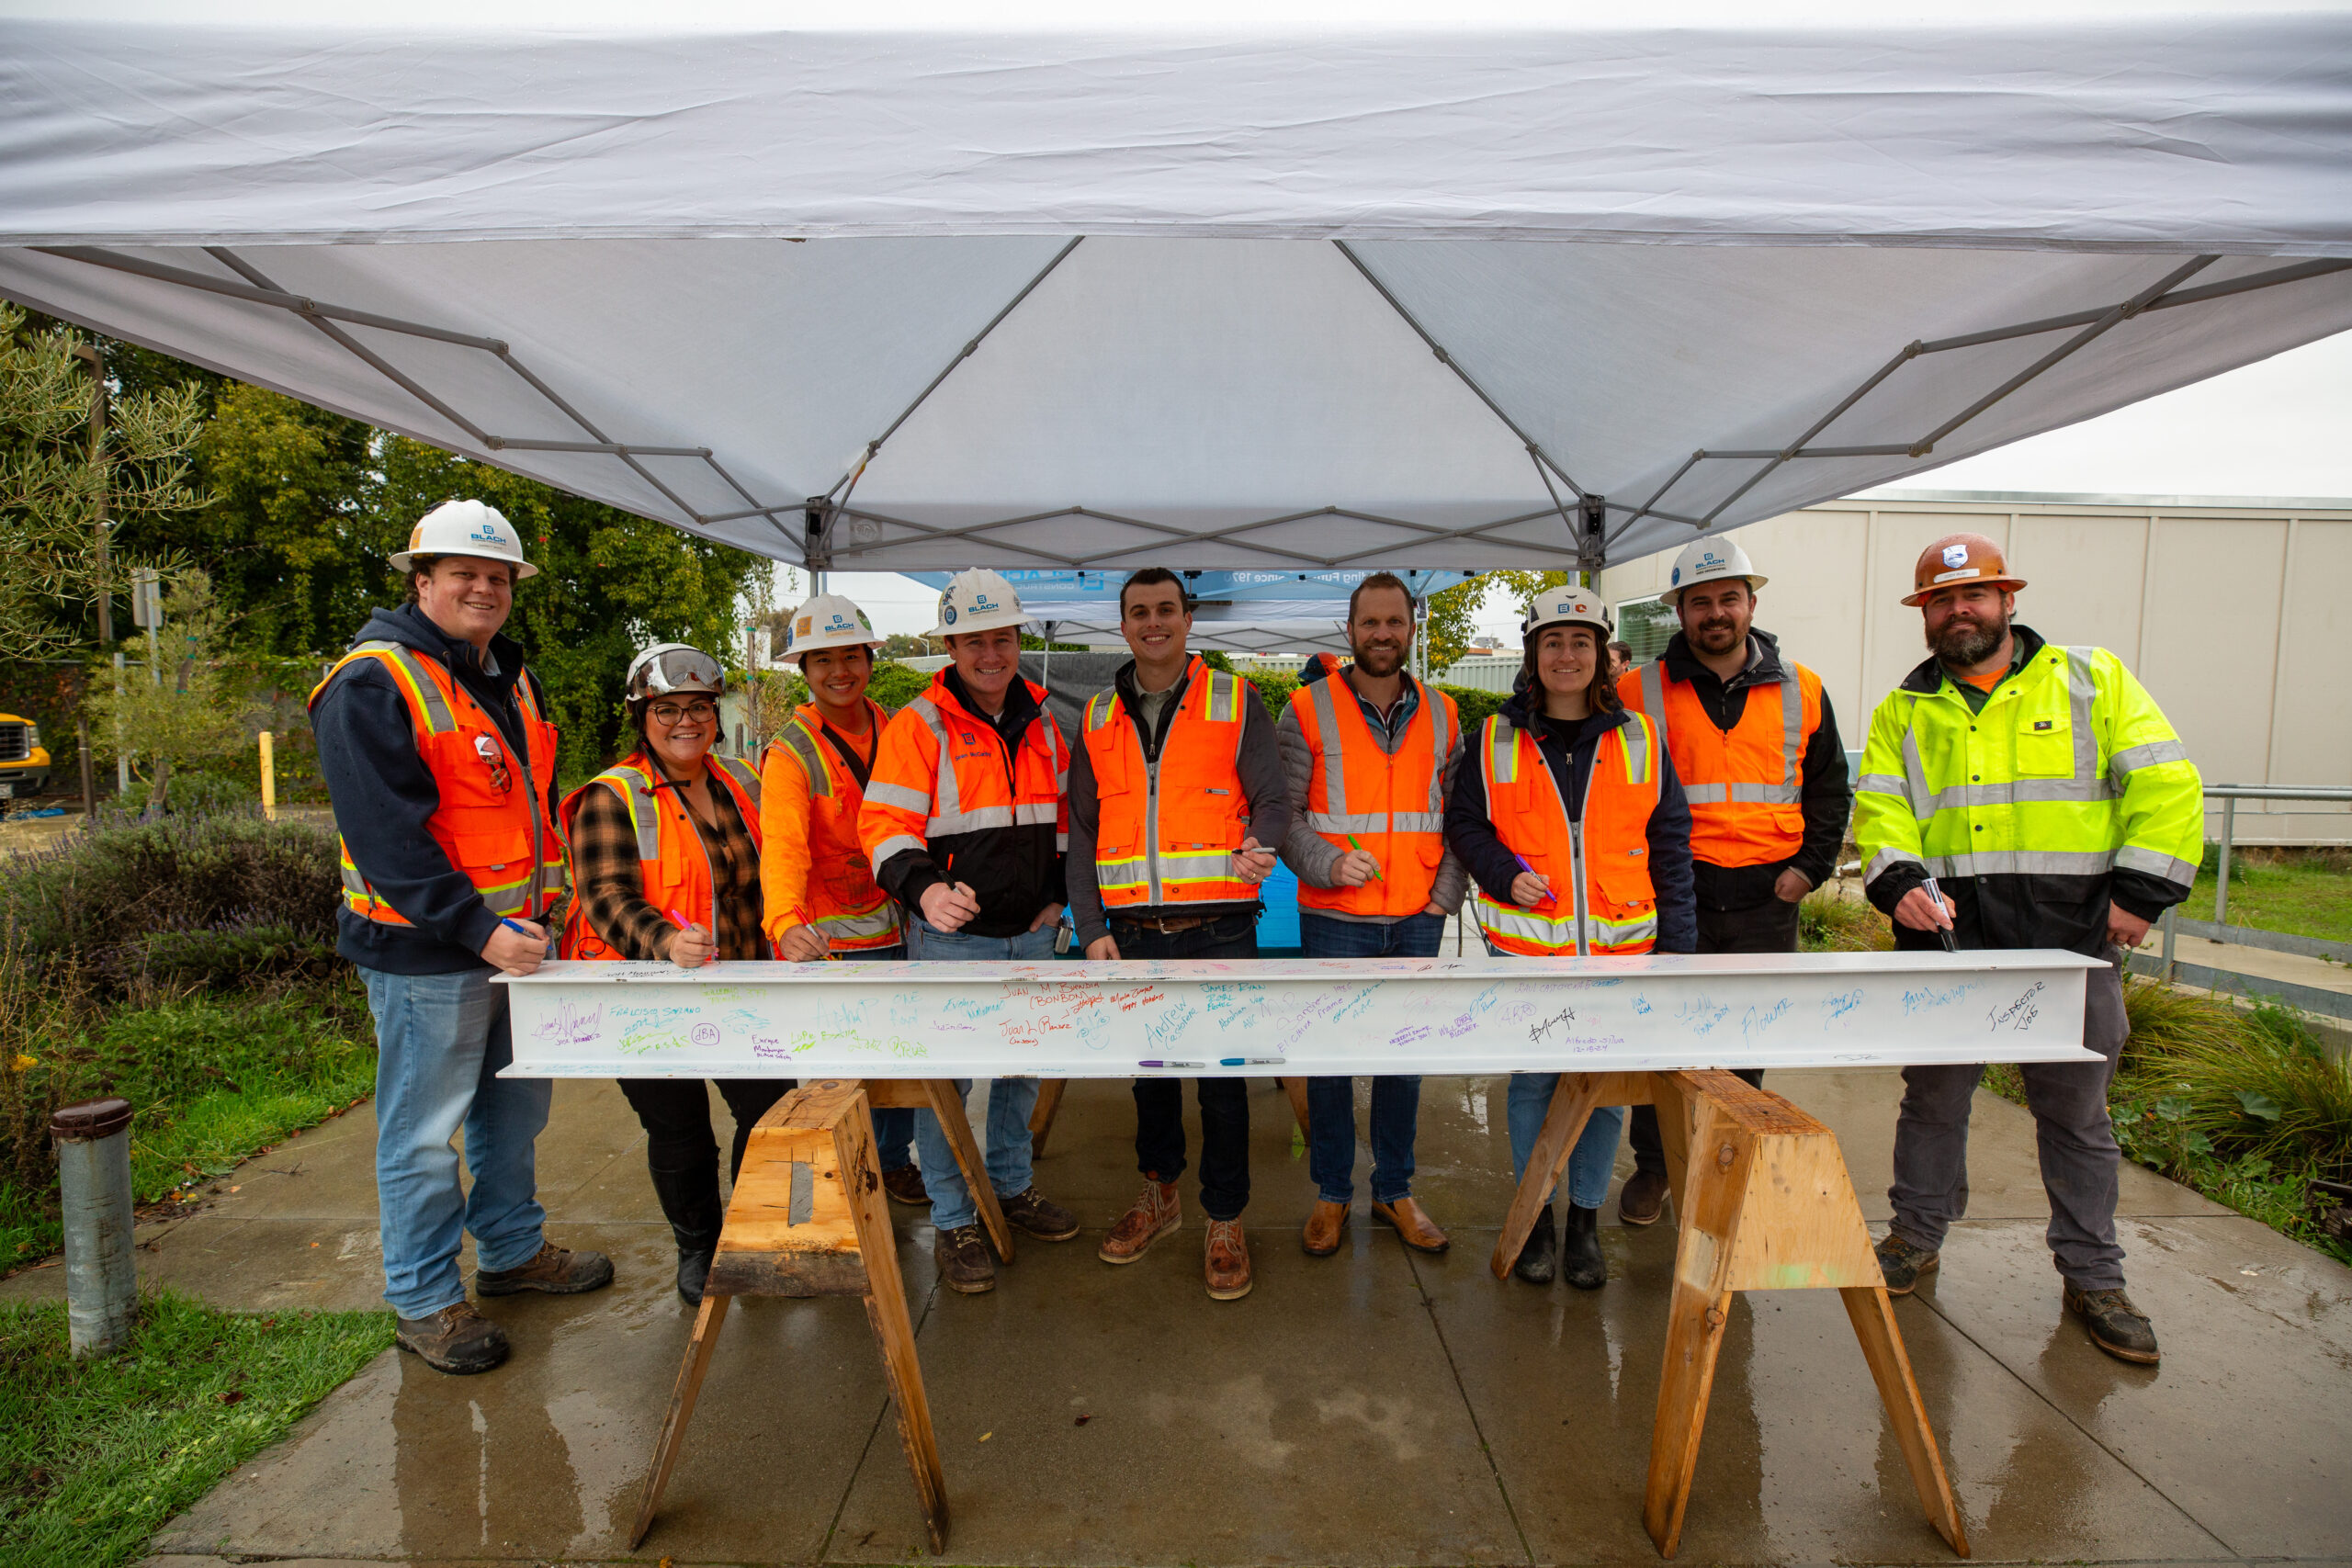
[[96, 1455], [2298, 892], [1828, 923], [214, 1079]]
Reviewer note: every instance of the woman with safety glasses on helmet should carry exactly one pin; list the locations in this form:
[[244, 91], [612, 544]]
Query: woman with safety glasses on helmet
[[665, 866]]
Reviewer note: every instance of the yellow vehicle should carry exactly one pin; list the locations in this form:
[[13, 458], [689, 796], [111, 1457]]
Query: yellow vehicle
[[24, 765]]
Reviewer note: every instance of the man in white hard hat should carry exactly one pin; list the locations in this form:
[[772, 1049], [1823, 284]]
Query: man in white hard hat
[[441, 764], [1176, 796], [963, 823], [820, 897], [1756, 746]]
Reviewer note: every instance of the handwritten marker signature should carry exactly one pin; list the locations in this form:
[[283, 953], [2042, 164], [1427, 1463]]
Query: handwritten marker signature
[[2019, 1015]]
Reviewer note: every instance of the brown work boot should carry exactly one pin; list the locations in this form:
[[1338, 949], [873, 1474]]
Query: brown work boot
[[1903, 1264], [1641, 1197], [1156, 1212], [904, 1184], [2116, 1325], [962, 1256], [1046, 1220], [1413, 1227], [1228, 1261], [1325, 1226], [457, 1339], [551, 1270]]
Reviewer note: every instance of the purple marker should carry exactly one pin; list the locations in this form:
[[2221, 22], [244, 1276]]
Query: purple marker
[[1171, 1064], [1533, 871]]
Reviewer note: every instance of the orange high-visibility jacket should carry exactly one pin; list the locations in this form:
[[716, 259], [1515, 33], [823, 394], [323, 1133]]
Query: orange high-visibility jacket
[[1393, 806], [940, 774], [811, 859], [671, 860], [1168, 830], [1603, 900], [492, 821], [1744, 786]]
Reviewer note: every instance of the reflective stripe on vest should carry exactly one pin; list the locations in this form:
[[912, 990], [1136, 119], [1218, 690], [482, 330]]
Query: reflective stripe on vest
[[473, 819], [1171, 841], [1740, 820], [846, 905], [1405, 831], [939, 805], [1601, 858], [667, 877]]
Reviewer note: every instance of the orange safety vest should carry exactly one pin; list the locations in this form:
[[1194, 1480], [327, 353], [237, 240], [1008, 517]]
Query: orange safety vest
[[911, 799], [1168, 829], [838, 893], [673, 863], [492, 821], [1743, 785], [1601, 859], [1392, 806]]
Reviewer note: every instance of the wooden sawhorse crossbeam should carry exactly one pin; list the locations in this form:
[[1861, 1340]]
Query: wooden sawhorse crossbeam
[[808, 1218], [1765, 1203]]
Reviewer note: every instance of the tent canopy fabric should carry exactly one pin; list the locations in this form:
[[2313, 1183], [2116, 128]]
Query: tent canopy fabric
[[1282, 302]]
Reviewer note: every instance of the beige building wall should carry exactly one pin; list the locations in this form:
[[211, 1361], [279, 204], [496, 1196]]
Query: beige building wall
[[2237, 617]]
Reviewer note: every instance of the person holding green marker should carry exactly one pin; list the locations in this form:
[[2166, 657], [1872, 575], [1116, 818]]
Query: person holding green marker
[[1371, 755]]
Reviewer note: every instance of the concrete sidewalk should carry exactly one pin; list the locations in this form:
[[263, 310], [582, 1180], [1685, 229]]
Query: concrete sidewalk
[[1375, 1408]]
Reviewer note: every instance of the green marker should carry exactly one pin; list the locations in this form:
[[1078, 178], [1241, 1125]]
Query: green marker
[[1362, 851]]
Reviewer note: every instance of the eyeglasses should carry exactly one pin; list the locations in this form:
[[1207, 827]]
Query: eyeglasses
[[679, 713]]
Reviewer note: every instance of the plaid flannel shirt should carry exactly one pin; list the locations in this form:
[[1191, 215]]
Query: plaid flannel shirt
[[612, 889]]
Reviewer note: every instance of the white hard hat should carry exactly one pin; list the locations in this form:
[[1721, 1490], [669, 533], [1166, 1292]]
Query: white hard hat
[[466, 528], [671, 667], [827, 621], [1568, 606], [977, 601], [1708, 560]]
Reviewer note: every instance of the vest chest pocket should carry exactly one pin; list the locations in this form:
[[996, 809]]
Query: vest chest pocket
[[1623, 881], [1192, 820], [2044, 742]]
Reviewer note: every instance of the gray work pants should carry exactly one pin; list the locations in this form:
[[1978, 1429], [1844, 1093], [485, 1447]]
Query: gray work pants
[[2079, 1159]]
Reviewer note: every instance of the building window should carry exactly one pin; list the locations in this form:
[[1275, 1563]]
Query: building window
[[1646, 626]]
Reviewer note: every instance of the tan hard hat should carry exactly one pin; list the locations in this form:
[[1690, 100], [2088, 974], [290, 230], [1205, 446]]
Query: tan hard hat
[[1957, 560]]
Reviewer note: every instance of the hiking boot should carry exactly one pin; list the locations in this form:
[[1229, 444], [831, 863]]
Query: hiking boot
[[1539, 1259], [1412, 1224], [551, 1270], [1156, 1212], [1643, 1197], [904, 1184], [1044, 1220], [1903, 1264], [2116, 1325], [457, 1339], [1581, 1264], [962, 1259], [693, 1272], [1228, 1270]]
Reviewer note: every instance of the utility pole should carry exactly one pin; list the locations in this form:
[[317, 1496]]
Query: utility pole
[[89, 354]]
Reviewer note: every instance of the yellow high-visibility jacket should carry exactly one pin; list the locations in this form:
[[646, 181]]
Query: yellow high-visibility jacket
[[2069, 790]]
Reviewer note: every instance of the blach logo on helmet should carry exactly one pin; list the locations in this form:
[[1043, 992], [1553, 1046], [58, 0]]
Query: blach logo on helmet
[[1955, 554], [982, 602], [1709, 561]]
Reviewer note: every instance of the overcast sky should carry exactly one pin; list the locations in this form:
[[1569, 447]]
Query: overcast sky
[[2278, 428]]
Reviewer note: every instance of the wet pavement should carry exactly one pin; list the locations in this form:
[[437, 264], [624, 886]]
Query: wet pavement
[[1379, 1407]]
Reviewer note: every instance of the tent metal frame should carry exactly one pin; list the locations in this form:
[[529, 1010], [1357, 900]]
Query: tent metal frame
[[1587, 549]]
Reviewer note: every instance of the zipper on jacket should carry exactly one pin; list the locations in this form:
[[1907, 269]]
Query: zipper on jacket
[[1152, 832]]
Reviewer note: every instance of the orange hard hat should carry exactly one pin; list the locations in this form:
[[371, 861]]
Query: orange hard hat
[[1958, 559]]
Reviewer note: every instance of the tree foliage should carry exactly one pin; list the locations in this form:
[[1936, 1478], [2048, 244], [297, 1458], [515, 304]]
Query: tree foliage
[[181, 712], [54, 489]]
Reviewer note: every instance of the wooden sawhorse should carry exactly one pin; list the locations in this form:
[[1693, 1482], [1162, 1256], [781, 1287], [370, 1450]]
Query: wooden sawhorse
[[808, 1218], [1765, 1203], [1049, 1104]]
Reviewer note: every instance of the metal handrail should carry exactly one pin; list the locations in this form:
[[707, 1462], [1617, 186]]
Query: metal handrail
[[2229, 796]]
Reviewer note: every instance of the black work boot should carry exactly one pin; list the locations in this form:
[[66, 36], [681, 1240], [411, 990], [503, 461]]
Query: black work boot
[[690, 1202], [1580, 1261], [457, 1339], [2116, 1325], [1904, 1264], [1539, 1259]]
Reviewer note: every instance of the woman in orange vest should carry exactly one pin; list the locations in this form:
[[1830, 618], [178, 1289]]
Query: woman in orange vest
[[1567, 815], [666, 864]]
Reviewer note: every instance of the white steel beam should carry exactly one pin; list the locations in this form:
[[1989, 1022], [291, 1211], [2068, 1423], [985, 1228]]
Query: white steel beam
[[1297, 1016]]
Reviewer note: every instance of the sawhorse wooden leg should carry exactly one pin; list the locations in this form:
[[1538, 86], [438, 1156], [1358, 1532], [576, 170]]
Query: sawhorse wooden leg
[[1766, 1204], [938, 1096], [808, 1218], [1041, 1120], [1577, 1095]]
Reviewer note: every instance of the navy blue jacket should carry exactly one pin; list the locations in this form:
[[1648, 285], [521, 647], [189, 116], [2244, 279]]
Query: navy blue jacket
[[383, 795], [1567, 749]]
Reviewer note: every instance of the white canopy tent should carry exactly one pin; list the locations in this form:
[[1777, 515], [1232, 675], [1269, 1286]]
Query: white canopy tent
[[1284, 303]]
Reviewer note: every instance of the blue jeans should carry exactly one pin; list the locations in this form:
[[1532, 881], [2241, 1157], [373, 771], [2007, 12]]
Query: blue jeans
[[1006, 1143], [894, 1130], [1396, 1098], [1594, 1158], [440, 1041]]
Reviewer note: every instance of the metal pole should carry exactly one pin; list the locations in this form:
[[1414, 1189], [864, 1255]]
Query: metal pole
[[89, 784], [2172, 934], [268, 778], [2222, 879], [94, 1177], [121, 758]]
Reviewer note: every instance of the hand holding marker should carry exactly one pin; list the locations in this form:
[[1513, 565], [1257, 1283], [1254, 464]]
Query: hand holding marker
[[1936, 896], [1531, 870], [1367, 854]]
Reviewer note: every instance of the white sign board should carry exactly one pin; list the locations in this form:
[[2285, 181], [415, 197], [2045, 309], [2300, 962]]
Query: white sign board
[[1296, 1016]]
